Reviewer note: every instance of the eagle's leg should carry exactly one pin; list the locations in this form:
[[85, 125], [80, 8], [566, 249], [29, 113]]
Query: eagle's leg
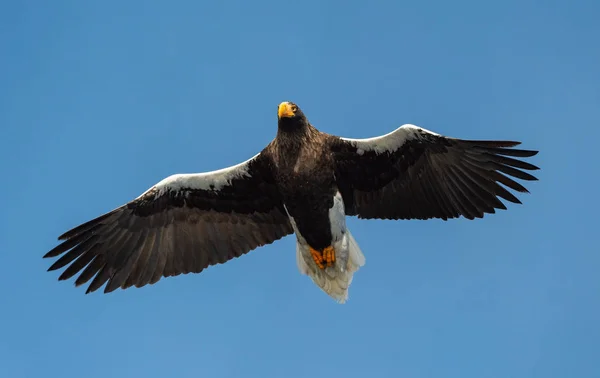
[[324, 258], [329, 255]]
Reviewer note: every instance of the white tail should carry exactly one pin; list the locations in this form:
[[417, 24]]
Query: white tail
[[334, 280]]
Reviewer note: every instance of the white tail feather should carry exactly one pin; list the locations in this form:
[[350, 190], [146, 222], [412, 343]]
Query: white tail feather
[[334, 280]]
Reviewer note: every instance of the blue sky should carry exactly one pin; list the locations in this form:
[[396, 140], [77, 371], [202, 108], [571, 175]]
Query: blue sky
[[100, 100]]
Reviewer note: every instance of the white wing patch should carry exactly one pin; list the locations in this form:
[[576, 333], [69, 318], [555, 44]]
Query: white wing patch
[[389, 142], [213, 180]]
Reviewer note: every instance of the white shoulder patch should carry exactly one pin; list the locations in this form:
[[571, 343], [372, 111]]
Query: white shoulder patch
[[389, 142], [213, 180]]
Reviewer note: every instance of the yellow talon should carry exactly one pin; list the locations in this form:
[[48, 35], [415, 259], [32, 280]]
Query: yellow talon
[[329, 255], [317, 257], [325, 258]]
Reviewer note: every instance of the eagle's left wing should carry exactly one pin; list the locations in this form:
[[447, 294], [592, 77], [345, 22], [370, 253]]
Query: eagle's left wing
[[183, 224], [413, 173]]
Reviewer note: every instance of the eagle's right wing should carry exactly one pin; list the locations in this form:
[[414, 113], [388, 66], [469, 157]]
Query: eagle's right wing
[[183, 224]]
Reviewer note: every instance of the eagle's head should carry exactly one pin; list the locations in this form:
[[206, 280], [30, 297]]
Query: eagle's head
[[290, 117]]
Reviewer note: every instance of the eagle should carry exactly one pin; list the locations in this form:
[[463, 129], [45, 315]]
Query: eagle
[[304, 182]]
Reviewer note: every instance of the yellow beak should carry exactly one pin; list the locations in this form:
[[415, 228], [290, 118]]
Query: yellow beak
[[285, 110]]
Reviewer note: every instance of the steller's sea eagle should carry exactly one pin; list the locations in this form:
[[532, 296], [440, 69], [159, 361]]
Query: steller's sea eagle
[[304, 182]]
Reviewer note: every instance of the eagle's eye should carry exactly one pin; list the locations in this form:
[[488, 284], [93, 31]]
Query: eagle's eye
[[294, 108]]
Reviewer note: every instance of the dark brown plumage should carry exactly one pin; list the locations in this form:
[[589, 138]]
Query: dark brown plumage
[[430, 177], [162, 234]]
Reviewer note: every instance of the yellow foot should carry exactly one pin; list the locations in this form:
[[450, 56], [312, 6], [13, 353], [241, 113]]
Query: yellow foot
[[325, 258], [317, 257], [329, 256]]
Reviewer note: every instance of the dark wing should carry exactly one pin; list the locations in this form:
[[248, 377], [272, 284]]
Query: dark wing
[[413, 173], [183, 224]]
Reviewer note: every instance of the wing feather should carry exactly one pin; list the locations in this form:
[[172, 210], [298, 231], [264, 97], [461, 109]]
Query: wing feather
[[414, 173], [181, 225]]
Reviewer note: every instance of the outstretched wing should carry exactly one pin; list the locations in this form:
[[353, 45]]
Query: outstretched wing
[[413, 173], [183, 224]]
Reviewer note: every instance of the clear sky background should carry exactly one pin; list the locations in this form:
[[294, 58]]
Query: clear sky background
[[100, 100]]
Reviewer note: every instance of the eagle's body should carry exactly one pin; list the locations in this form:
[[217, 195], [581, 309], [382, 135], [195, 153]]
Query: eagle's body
[[305, 178], [304, 182]]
